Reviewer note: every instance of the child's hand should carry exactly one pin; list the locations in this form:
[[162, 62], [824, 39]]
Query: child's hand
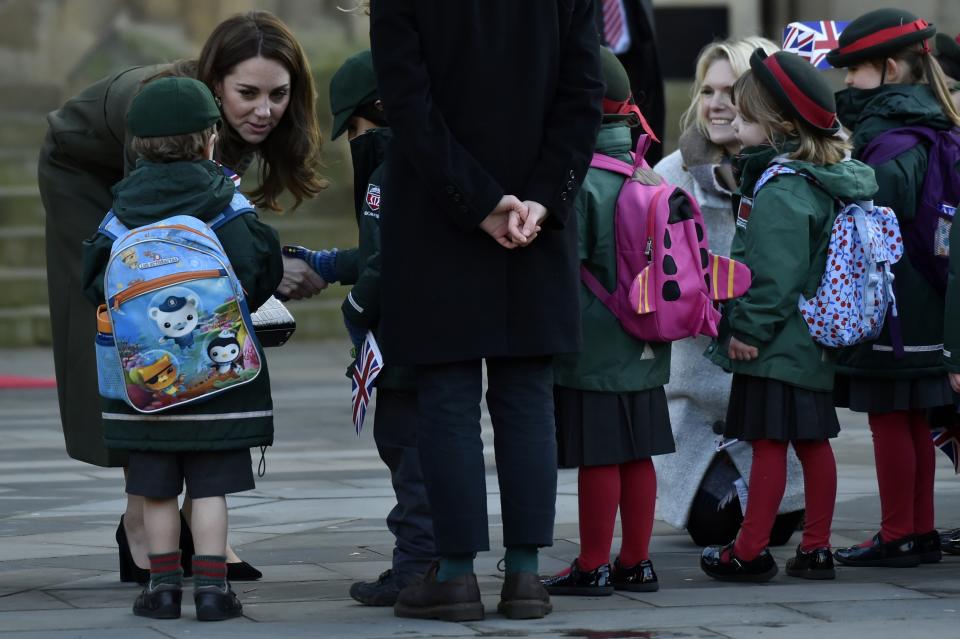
[[299, 280], [739, 351], [954, 382]]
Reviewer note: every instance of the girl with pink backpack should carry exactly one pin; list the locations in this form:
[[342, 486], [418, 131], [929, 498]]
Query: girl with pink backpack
[[611, 410], [791, 175]]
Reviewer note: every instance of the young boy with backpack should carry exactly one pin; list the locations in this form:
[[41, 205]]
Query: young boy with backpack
[[904, 124], [792, 175], [197, 349], [359, 113]]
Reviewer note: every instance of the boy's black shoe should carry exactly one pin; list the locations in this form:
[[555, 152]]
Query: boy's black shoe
[[720, 563], [524, 597], [457, 599], [383, 591], [815, 564], [216, 604], [163, 602], [587, 583], [637, 578], [928, 547], [950, 541], [899, 553]]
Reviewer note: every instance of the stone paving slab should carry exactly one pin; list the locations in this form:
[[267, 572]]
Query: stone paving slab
[[315, 523]]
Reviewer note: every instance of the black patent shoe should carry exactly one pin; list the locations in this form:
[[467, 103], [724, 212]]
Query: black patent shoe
[[129, 570], [524, 597], [720, 563], [899, 553], [586, 583], [813, 564], [637, 578], [950, 541], [383, 591], [928, 547], [163, 602], [456, 599], [216, 604]]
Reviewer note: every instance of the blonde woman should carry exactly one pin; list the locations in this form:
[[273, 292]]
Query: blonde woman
[[696, 481]]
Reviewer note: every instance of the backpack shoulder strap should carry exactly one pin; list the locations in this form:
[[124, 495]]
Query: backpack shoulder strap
[[111, 227], [771, 172], [607, 163], [238, 206], [893, 142]]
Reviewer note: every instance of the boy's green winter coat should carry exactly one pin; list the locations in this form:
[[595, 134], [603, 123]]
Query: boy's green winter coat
[[784, 241], [611, 359], [239, 418], [869, 113]]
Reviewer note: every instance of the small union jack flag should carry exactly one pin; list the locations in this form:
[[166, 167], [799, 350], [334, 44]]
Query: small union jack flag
[[813, 40], [948, 440], [368, 365]]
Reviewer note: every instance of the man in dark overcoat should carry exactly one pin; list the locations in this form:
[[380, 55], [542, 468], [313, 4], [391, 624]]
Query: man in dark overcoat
[[495, 107]]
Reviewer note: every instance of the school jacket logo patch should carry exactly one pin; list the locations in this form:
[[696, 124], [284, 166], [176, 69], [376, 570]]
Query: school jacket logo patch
[[373, 197], [743, 212]]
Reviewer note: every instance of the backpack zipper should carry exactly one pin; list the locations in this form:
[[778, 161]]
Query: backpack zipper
[[167, 280]]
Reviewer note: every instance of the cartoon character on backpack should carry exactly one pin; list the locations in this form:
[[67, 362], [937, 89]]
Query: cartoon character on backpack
[[177, 316], [225, 353], [159, 376], [667, 278]]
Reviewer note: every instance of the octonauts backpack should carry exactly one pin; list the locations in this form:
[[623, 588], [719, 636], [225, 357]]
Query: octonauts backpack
[[667, 278], [176, 327], [856, 289]]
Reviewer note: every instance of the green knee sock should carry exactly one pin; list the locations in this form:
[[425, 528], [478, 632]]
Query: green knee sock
[[521, 559], [165, 569], [452, 566]]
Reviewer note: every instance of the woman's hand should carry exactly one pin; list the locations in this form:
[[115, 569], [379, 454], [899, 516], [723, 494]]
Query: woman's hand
[[740, 351], [299, 280], [954, 381]]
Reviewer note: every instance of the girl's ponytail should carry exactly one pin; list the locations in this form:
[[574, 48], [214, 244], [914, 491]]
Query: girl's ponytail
[[938, 83]]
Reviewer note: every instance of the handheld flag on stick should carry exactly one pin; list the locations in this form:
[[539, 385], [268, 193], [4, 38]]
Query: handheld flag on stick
[[368, 365], [813, 40], [948, 440]]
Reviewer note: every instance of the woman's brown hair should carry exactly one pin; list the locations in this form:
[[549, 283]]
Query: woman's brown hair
[[755, 104], [290, 155]]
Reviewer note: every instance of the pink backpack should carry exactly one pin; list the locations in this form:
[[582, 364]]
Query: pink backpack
[[667, 278]]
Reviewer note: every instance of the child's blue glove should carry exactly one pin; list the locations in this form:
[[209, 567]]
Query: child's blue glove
[[323, 262]]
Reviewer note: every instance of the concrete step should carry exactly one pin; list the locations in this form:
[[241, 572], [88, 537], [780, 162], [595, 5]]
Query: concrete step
[[22, 246], [24, 327], [33, 97], [20, 206], [18, 167], [23, 286], [22, 130]]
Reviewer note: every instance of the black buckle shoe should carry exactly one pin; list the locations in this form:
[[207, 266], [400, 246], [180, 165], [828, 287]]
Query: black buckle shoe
[[455, 600], [637, 578], [928, 547], [524, 597], [720, 563], [586, 583], [383, 591], [163, 602], [813, 564], [899, 553], [216, 604], [950, 541]]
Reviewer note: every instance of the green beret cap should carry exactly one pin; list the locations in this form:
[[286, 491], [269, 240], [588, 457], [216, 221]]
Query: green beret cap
[[353, 85], [172, 106], [878, 34]]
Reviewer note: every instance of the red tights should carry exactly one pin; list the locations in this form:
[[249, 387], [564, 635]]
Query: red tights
[[768, 480], [602, 489], [906, 462]]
